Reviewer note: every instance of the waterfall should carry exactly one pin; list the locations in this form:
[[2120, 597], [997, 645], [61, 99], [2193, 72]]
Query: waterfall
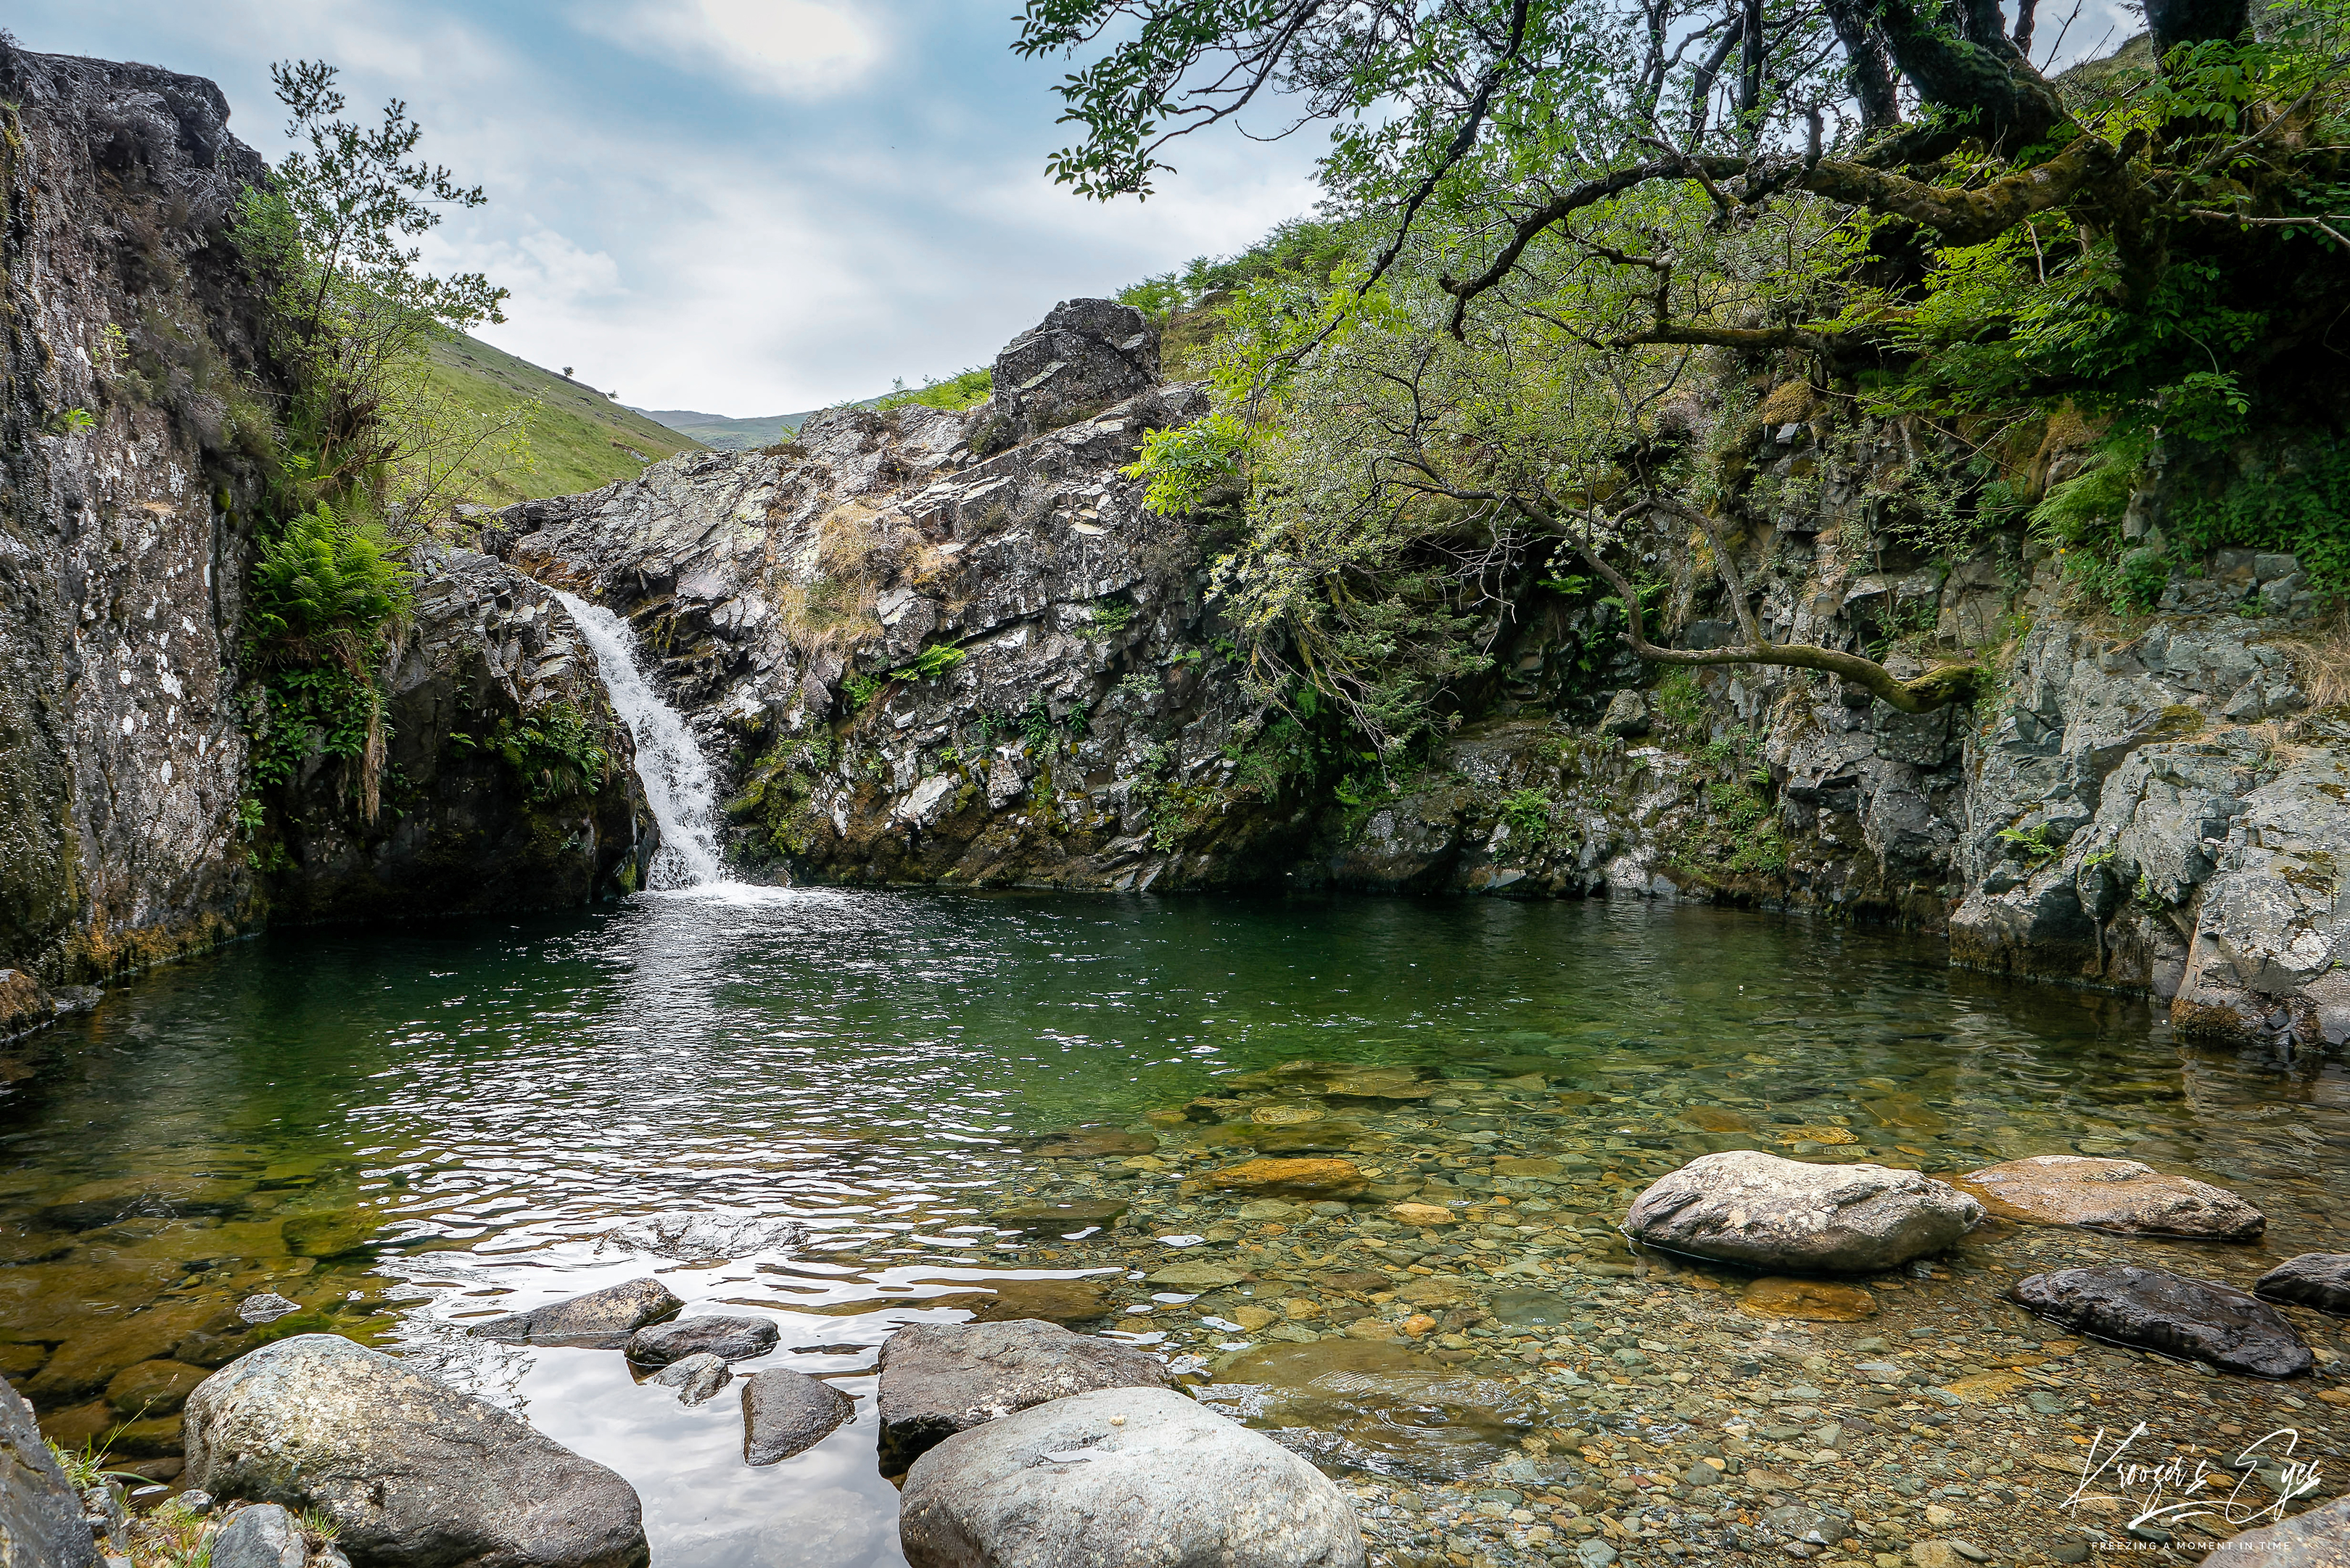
[[675, 773]]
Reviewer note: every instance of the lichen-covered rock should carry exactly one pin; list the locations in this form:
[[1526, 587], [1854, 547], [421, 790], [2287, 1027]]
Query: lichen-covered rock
[[2318, 1538], [938, 1379], [407, 1469], [1123, 1478], [2117, 1195], [1745, 1207], [263, 1535], [122, 545], [2170, 1313], [1086, 355], [508, 782]]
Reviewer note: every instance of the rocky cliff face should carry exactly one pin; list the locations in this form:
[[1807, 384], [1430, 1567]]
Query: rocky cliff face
[[924, 664], [132, 342], [507, 782], [135, 437]]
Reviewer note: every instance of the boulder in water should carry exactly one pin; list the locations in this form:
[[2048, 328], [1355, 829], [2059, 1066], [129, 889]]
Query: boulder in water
[[938, 1379], [786, 1412], [1291, 1178], [701, 1238], [2117, 1195], [2155, 1309], [409, 1470], [1746, 1207], [729, 1338], [2320, 1280], [1123, 1478], [697, 1377], [600, 1320]]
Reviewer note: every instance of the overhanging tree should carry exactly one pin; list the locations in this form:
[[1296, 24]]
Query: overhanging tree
[[2165, 252]]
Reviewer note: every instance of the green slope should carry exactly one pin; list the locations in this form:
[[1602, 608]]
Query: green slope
[[581, 440]]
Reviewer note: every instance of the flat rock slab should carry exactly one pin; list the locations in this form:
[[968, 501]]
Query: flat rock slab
[[1123, 1478], [2320, 1280], [1050, 1301], [600, 1320], [787, 1413], [729, 1338], [40, 1516], [1091, 1143], [2318, 1539], [1199, 1274], [938, 1379], [2157, 1310], [1077, 1214], [1291, 1178], [407, 1469], [1746, 1207], [2117, 1195], [1806, 1300]]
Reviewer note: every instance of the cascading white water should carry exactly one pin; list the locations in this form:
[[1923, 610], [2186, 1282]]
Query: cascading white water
[[675, 773]]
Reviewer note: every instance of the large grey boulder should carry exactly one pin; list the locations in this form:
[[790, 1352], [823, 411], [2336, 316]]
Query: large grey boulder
[[411, 1473], [787, 1413], [2159, 1310], [40, 1518], [2320, 1280], [600, 1320], [731, 1338], [938, 1379], [2318, 1539], [1084, 357], [261, 1536], [1746, 1207], [1122, 1478]]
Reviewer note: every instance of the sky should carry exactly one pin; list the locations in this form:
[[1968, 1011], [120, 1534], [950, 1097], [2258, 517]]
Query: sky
[[742, 207]]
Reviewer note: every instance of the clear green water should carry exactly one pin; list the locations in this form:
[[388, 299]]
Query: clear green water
[[855, 1069]]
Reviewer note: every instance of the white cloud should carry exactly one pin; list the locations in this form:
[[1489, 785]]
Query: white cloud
[[797, 48]]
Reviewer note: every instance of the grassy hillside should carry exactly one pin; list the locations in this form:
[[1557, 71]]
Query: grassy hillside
[[581, 440], [967, 391]]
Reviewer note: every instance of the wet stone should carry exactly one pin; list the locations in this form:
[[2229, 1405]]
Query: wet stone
[[1806, 1300], [1532, 1309], [1069, 1214], [2117, 1195], [939, 1379], [729, 1338], [1091, 1143], [153, 1387], [330, 1234], [2154, 1308], [1065, 1302], [1291, 1177], [787, 1413], [1375, 1406], [697, 1377], [2320, 1280], [599, 1320], [268, 1307]]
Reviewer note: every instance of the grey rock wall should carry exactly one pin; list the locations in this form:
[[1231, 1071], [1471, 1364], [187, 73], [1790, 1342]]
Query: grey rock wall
[[129, 341], [1071, 726]]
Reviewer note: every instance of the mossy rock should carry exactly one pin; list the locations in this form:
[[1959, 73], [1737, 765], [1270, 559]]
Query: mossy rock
[[330, 1234], [287, 1328]]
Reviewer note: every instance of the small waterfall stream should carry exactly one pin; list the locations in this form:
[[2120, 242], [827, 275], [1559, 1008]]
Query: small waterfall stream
[[675, 773]]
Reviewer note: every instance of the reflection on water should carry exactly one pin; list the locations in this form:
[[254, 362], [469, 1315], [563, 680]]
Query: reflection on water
[[807, 1102]]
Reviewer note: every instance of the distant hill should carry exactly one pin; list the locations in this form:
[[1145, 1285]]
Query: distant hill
[[724, 434], [581, 440], [966, 391]]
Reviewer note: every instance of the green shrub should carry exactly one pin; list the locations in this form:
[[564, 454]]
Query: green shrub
[[325, 576]]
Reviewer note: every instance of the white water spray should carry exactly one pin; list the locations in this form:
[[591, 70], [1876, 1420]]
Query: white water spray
[[675, 773]]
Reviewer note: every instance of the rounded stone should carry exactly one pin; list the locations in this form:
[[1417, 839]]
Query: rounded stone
[[1291, 1178], [1745, 1207], [1123, 1478], [407, 1469], [729, 1338], [2160, 1311], [786, 1412]]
